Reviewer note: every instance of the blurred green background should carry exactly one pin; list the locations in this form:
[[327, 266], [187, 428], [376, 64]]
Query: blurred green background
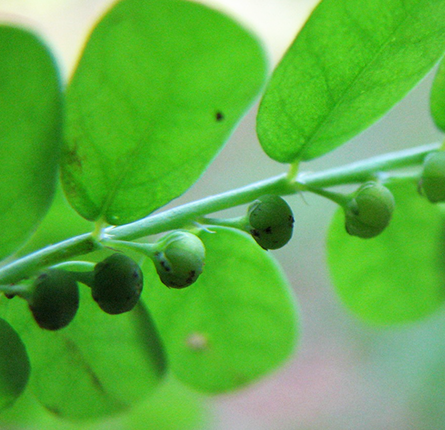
[[346, 374]]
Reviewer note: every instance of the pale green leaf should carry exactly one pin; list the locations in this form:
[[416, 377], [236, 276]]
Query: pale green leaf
[[352, 61], [30, 134], [235, 324], [156, 94], [97, 366], [399, 276]]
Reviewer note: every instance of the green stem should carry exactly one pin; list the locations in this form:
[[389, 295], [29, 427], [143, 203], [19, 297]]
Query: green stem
[[78, 266], [363, 170], [341, 199], [49, 256], [186, 214], [181, 216], [240, 223], [147, 249]]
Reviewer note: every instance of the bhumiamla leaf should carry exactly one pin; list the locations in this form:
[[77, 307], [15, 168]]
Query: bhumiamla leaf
[[352, 61], [30, 134], [236, 323], [157, 91], [97, 366], [399, 275]]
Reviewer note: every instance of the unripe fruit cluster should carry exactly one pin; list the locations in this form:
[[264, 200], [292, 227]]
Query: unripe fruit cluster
[[116, 285]]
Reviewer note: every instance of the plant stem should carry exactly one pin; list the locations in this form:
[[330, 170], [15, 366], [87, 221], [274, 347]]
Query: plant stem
[[361, 171], [186, 214]]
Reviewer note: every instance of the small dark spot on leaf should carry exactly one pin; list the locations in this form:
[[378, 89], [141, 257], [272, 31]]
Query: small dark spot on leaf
[[219, 116]]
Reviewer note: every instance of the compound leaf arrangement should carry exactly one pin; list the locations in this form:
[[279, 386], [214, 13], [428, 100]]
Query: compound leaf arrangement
[[93, 326]]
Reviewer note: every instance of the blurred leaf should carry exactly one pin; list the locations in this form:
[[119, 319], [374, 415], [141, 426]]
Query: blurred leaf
[[171, 407], [30, 134], [158, 89], [352, 61], [398, 276], [99, 365], [14, 365], [60, 223], [234, 325]]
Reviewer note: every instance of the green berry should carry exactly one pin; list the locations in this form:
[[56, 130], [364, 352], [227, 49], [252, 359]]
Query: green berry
[[117, 284], [432, 182], [369, 211], [14, 365], [180, 260], [54, 299], [271, 221]]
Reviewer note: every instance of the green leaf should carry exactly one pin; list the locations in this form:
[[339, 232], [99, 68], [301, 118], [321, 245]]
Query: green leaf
[[14, 365], [235, 324], [30, 134], [437, 100], [60, 223], [158, 89], [399, 275], [352, 61], [171, 407], [99, 365]]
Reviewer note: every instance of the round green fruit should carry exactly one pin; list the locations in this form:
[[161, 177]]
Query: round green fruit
[[369, 211], [117, 284], [14, 365], [180, 260], [54, 299], [432, 182], [271, 221]]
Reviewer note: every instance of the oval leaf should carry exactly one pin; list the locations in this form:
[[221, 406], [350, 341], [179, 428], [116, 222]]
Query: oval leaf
[[352, 61], [30, 134], [397, 276], [99, 365], [232, 326], [185, 411], [156, 94], [14, 365]]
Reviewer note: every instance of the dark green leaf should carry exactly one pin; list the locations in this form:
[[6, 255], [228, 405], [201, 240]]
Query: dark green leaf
[[235, 324], [158, 90], [14, 365], [398, 276], [99, 365], [30, 128], [353, 60]]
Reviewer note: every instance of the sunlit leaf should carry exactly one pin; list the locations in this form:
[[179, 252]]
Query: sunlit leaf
[[352, 61], [157, 91], [30, 134], [235, 324], [399, 275]]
